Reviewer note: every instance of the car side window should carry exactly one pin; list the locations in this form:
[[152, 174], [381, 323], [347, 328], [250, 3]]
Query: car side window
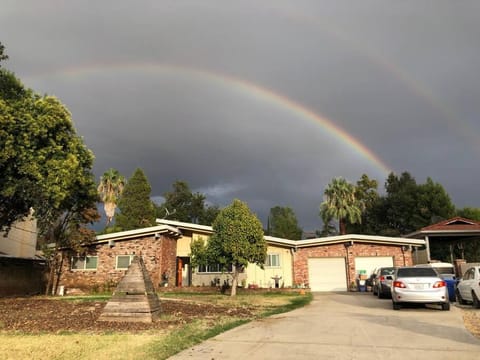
[[468, 274]]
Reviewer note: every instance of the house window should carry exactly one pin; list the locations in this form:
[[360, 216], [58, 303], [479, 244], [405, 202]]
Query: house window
[[84, 263], [213, 268], [273, 260], [123, 261]]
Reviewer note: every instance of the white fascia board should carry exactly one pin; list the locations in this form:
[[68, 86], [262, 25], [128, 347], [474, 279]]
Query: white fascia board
[[161, 229], [280, 241], [185, 225], [360, 238], [424, 233]]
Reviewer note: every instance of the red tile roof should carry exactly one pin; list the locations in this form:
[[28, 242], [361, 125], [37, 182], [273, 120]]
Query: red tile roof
[[454, 224]]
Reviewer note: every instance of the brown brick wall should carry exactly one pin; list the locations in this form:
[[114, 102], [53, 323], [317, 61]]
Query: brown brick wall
[[159, 255], [300, 266]]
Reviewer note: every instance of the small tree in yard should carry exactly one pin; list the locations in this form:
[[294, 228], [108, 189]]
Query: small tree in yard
[[237, 240]]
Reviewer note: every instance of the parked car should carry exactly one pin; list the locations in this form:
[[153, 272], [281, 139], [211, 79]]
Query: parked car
[[419, 284], [382, 281], [447, 273], [468, 288]]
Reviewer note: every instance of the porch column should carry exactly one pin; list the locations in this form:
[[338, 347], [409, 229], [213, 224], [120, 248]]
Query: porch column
[[427, 243]]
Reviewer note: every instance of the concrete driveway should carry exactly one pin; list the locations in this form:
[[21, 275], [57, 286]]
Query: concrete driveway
[[346, 326]]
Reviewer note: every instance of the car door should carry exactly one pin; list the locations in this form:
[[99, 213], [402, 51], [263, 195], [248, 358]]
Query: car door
[[465, 285]]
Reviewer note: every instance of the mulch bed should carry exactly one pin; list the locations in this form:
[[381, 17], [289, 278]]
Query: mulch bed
[[40, 315]]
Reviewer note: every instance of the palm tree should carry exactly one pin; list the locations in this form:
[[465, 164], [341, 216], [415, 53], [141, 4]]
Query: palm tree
[[110, 188], [341, 204]]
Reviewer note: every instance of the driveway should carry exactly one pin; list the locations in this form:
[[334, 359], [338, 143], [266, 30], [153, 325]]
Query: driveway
[[346, 326]]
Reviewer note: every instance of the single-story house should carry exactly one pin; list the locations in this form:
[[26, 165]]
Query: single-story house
[[322, 264]]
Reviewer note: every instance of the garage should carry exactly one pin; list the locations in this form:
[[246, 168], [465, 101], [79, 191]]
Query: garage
[[327, 274], [370, 263]]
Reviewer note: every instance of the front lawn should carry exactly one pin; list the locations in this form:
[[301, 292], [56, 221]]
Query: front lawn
[[67, 327]]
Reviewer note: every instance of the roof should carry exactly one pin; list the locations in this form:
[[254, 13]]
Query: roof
[[159, 229], [455, 226], [308, 242], [360, 238]]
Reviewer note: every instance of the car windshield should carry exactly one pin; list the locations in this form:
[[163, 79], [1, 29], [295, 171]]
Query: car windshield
[[388, 271], [416, 272]]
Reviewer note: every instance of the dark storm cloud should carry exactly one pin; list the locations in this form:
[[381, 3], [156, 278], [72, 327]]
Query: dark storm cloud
[[401, 77]]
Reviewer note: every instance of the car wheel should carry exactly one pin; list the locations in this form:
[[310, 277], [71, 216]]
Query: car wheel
[[396, 306], [446, 306], [459, 298], [475, 301]]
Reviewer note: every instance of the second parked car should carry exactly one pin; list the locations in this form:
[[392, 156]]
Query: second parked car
[[382, 280], [468, 288]]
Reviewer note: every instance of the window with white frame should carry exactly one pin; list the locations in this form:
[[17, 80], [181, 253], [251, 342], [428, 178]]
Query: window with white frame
[[123, 261], [273, 260], [84, 262], [213, 268]]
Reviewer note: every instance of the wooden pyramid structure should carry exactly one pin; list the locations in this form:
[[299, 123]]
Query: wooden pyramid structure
[[134, 299]]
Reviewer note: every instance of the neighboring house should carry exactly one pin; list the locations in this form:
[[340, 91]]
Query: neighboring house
[[323, 264], [21, 240], [450, 234], [21, 271]]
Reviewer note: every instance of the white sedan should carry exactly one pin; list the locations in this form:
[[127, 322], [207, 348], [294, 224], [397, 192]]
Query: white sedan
[[468, 289], [421, 285]]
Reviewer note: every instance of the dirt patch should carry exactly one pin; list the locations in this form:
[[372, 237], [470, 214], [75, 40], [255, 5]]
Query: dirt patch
[[471, 319], [40, 315]]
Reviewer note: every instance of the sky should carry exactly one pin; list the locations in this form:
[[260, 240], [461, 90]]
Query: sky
[[264, 101]]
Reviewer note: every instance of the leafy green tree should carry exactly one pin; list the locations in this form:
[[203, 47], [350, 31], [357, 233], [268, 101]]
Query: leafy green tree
[[136, 208], [110, 188], [237, 240], [44, 164], [183, 205], [283, 223], [434, 204], [366, 192], [3, 56], [341, 204], [469, 213]]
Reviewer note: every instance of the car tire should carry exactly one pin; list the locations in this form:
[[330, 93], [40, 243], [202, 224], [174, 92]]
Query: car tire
[[475, 301], [396, 306], [446, 306], [459, 298]]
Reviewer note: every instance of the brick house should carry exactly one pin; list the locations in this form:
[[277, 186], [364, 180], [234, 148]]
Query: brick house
[[103, 263], [323, 264]]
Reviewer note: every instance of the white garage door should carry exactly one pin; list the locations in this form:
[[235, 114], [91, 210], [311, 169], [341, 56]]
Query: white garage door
[[327, 274], [370, 263]]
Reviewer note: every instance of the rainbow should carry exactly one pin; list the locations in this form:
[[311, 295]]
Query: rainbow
[[247, 88]]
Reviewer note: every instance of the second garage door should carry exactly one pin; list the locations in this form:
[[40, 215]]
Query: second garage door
[[370, 263], [327, 274]]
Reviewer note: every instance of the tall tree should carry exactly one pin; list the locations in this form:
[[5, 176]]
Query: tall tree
[[182, 204], [3, 56], [136, 208], [434, 204], [237, 240], [366, 192], [341, 204], [469, 213], [283, 223], [110, 188], [44, 164]]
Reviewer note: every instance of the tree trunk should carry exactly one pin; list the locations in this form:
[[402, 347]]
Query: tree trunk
[[342, 226], [234, 281]]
